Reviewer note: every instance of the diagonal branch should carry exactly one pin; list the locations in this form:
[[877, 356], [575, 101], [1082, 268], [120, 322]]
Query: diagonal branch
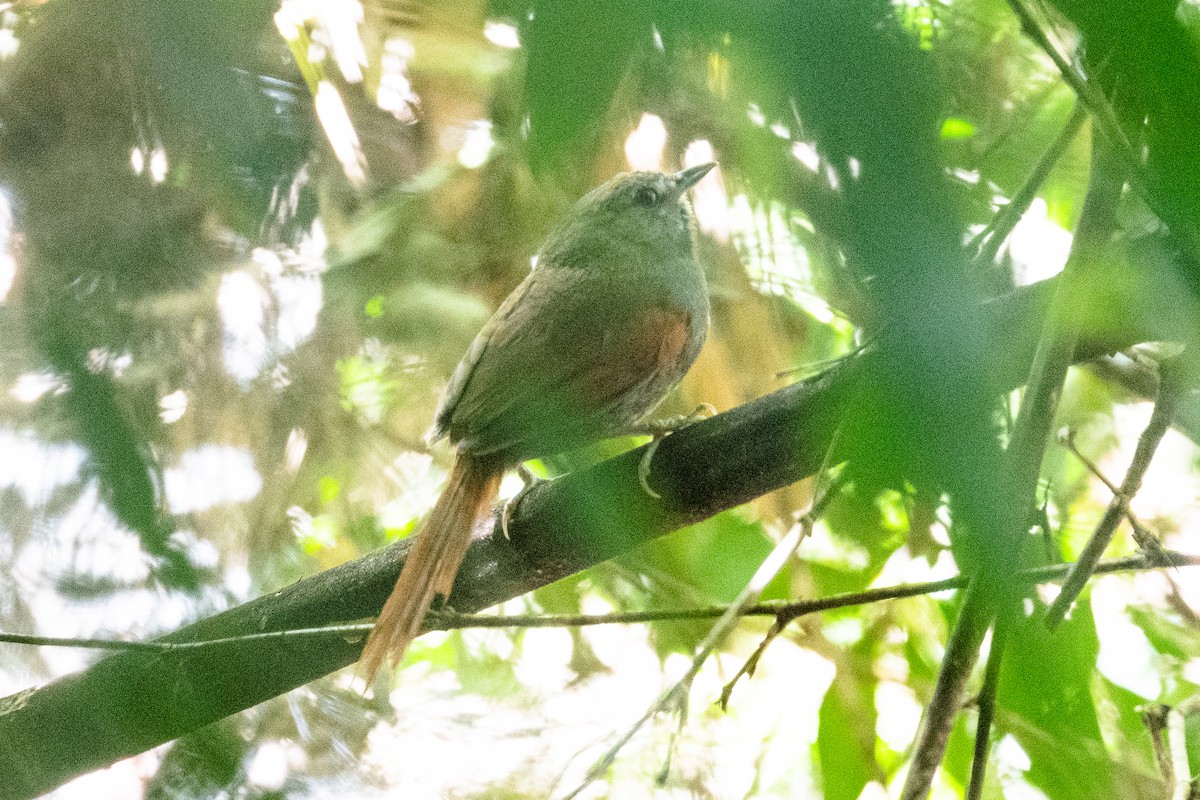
[[1160, 421], [987, 242], [962, 651]]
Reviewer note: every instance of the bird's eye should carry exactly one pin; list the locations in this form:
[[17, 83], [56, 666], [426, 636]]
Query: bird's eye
[[645, 196]]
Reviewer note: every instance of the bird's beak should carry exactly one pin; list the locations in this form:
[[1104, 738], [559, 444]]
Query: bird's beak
[[686, 179]]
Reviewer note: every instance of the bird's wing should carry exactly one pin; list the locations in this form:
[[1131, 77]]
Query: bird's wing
[[560, 363]]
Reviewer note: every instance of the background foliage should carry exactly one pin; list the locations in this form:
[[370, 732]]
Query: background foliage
[[245, 244]]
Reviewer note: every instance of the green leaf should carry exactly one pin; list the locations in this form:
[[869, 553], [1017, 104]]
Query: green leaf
[[374, 307], [846, 735], [321, 534], [1165, 634], [960, 751], [205, 763], [328, 487], [1045, 700], [865, 529], [705, 564], [1121, 724], [715, 558]]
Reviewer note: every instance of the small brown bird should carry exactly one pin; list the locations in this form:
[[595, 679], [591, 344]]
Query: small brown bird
[[609, 320]]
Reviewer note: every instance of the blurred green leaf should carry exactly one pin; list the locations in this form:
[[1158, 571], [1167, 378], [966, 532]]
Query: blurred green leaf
[[1167, 635], [329, 488], [1120, 714], [481, 671], [846, 735], [960, 753], [867, 528], [1045, 700], [367, 385], [321, 534], [705, 564], [577, 52], [715, 558], [205, 764]]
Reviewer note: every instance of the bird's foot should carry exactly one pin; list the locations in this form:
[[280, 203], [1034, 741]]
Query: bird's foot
[[659, 429], [510, 506]]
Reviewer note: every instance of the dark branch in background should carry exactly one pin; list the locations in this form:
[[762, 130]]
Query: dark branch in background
[[1154, 717], [1056, 348], [130, 702]]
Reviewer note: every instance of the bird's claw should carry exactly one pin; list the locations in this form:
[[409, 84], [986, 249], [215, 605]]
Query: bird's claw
[[644, 469], [660, 429], [510, 505]]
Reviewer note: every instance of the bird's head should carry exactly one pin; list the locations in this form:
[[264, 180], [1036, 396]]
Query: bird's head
[[634, 210]]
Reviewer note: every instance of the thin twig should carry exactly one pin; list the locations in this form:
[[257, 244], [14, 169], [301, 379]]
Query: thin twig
[[751, 663], [814, 367], [788, 610], [1077, 578], [1067, 440], [766, 572], [988, 241], [665, 772], [1142, 536], [987, 711], [1096, 102], [821, 496], [962, 650], [1180, 606], [86, 644]]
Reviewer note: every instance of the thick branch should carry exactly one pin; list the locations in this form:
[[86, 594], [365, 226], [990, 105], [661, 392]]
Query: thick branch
[[133, 701]]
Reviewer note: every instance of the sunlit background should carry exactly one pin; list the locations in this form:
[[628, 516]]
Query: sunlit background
[[280, 344]]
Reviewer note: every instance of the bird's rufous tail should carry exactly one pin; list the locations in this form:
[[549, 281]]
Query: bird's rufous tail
[[433, 560]]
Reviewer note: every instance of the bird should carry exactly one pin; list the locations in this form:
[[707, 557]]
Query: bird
[[608, 321]]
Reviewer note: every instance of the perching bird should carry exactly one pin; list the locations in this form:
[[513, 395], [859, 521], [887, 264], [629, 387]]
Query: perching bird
[[607, 323]]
